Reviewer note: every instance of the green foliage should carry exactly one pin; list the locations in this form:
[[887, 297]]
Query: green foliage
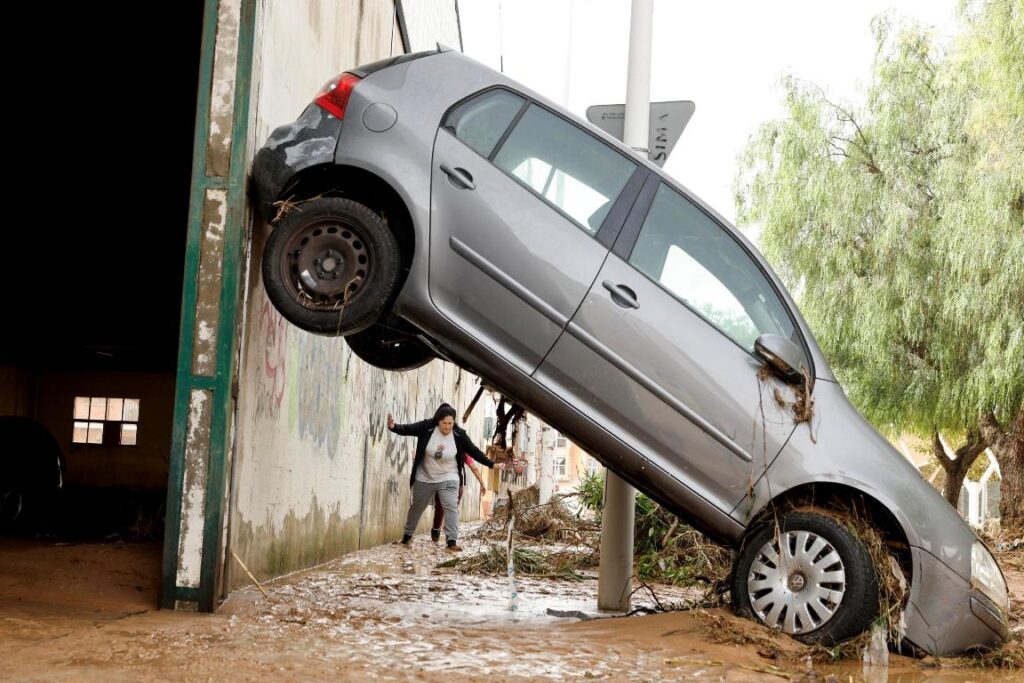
[[590, 492], [664, 548], [899, 221]]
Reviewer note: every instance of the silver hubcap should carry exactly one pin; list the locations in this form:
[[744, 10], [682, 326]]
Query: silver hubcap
[[796, 582]]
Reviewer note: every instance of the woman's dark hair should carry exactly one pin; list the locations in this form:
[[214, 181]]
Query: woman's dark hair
[[444, 410]]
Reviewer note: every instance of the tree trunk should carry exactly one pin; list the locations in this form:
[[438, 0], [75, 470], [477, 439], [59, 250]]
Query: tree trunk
[[957, 468], [1008, 447]]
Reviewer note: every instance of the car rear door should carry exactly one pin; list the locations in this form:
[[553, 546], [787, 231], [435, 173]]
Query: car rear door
[[661, 350], [525, 205]]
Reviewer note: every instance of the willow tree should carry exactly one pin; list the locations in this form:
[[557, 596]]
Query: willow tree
[[899, 222]]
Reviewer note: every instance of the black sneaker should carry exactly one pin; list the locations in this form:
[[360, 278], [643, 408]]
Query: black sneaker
[[435, 535], [406, 540]]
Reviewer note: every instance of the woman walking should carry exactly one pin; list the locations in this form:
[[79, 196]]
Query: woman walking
[[438, 468]]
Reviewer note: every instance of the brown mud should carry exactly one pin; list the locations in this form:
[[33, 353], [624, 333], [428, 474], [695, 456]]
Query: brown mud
[[87, 612]]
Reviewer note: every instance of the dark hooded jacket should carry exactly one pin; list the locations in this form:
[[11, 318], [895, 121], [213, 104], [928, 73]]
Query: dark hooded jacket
[[422, 431]]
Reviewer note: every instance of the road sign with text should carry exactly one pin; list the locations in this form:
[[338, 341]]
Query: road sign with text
[[668, 119]]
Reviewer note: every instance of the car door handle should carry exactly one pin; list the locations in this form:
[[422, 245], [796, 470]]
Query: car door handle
[[622, 295], [459, 176]]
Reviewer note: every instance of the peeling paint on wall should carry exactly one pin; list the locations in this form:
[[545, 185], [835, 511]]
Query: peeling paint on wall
[[222, 94], [211, 267], [193, 499]]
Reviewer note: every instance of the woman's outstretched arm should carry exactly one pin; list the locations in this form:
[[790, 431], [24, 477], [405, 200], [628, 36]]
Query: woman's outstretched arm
[[408, 429]]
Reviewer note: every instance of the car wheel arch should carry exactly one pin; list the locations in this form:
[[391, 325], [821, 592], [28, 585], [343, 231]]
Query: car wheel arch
[[896, 531], [365, 187]]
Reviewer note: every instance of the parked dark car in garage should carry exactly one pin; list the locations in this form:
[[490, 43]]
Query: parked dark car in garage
[[429, 206], [31, 471]]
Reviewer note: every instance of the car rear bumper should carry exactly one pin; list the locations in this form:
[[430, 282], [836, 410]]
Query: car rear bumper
[[946, 615], [308, 141]]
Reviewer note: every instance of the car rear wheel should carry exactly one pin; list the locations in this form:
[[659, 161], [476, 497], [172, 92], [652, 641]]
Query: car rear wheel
[[390, 345], [331, 266], [808, 576]]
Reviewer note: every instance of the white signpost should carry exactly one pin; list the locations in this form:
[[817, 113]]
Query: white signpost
[[668, 119]]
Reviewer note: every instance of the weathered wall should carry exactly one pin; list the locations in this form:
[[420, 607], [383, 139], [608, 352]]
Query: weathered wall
[[315, 472], [143, 465]]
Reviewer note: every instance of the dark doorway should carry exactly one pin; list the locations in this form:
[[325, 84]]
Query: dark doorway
[[89, 350]]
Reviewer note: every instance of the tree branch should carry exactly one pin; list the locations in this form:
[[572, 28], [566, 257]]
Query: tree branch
[[989, 426], [940, 452], [847, 117]]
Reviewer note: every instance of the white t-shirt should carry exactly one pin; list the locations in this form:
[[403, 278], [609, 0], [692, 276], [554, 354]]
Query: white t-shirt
[[439, 463]]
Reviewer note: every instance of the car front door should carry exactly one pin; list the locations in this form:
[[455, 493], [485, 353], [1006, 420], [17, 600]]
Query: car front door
[[661, 350], [523, 213]]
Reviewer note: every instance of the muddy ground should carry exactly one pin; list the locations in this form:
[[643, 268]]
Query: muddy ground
[[87, 612]]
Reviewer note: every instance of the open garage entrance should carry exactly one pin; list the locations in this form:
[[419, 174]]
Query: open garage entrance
[[88, 359]]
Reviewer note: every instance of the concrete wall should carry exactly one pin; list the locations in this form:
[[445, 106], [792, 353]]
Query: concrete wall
[[315, 472], [141, 466]]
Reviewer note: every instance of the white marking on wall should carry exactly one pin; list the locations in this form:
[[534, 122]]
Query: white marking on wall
[[222, 92], [193, 499], [208, 285]]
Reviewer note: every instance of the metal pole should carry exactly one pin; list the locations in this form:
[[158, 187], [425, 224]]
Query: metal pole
[[616, 572], [547, 481], [615, 582], [638, 79]]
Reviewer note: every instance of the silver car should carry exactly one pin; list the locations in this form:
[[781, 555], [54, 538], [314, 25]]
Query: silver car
[[429, 206]]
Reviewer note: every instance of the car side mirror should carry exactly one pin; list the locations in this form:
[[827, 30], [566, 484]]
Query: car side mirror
[[782, 356]]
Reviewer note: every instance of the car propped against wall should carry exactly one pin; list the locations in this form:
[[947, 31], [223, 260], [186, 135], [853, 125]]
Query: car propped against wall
[[429, 206]]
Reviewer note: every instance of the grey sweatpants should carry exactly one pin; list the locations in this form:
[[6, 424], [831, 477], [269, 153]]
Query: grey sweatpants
[[423, 493]]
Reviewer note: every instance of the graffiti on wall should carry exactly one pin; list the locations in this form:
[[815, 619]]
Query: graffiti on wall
[[315, 415], [273, 340], [410, 397], [314, 406]]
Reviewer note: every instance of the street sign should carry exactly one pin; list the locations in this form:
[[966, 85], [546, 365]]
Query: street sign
[[668, 119]]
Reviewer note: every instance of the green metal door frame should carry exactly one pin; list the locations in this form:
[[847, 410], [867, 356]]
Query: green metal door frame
[[217, 201]]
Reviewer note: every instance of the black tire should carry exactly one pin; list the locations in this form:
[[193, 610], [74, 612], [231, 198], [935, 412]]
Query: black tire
[[753, 577], [390, 347], [12, 504], [331, 266]]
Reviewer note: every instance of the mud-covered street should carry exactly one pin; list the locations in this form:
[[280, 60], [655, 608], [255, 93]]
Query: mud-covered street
[[88, 612]]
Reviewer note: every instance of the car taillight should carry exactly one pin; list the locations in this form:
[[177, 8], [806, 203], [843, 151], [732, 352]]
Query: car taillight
[[334, 95]]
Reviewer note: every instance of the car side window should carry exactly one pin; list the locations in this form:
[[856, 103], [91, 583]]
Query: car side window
[[566, 166], [481, 121], [693, 257]]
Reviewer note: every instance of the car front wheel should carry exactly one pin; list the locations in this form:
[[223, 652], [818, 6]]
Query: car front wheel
[[330, 266], [808, 576]]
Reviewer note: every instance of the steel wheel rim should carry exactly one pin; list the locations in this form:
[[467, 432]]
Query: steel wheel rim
[[796, 582], [326, 264]]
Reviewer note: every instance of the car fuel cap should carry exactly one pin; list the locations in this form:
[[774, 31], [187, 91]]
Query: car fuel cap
[[378, 117]]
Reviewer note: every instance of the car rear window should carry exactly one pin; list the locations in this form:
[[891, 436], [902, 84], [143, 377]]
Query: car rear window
[[481, 121]]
